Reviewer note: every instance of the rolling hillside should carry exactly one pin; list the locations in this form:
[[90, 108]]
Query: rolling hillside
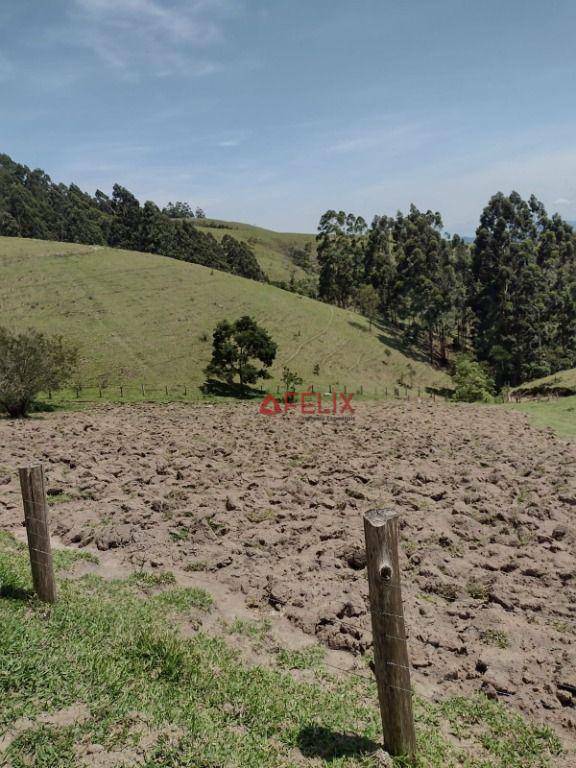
[[144, 318], [271, 248], [561, 383]]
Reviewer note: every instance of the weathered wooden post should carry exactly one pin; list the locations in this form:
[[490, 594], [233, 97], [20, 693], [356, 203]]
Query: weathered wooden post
[[142, 390], [391, 665], [122, 392], [36, 518]]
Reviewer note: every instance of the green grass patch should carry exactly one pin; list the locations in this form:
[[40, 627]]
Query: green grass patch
[[192, 702], [59, 498], [185, 598], [66, 558], [557, 413], [257, 630], [153, 578], [303, 658]]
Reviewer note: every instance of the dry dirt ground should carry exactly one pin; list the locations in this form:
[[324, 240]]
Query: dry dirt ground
[[271, 508]]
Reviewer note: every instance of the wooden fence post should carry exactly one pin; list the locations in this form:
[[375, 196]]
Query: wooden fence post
[[390, 649], [36, 517], [142, 390]]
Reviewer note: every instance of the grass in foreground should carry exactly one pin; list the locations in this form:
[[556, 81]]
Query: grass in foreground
[[110, 666]]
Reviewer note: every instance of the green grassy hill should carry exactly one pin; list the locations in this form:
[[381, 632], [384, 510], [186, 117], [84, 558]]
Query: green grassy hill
[[271, 248], [561, 383], [144, 318]]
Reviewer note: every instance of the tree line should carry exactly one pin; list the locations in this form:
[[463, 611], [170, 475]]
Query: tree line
[[32, 205], [509, 297]]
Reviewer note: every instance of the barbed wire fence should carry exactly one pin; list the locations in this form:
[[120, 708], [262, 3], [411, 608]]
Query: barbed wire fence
[[90, 392]]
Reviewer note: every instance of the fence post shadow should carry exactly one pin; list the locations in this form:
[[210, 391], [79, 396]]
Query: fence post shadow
[[326, 744]]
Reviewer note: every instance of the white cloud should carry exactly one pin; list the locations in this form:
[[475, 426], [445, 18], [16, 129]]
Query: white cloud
[[158, 37], [563, 201], [229, 143]]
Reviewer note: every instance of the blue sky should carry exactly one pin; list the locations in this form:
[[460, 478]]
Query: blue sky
[[272, 111]]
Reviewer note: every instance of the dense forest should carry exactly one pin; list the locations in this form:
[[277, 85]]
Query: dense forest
[[509, 297], [32, 205]]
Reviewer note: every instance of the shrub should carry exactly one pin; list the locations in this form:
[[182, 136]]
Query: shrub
[[290, 379], [472, 380], [30, 363]]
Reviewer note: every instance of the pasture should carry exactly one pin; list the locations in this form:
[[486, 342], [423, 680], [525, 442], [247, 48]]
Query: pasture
[[271, 248], [146, 319]]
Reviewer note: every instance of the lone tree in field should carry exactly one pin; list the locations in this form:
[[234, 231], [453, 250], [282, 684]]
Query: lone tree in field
[[30, 363], [236, 347]]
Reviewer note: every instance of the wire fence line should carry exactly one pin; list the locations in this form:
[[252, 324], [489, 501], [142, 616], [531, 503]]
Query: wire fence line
[[95, 391]]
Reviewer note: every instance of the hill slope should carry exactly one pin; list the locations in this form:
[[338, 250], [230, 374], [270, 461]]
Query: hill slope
[[561, 383], [145, 318], [271, 248]]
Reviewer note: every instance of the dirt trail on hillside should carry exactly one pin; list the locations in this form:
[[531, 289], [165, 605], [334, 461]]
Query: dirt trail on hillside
[[273, 506]]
